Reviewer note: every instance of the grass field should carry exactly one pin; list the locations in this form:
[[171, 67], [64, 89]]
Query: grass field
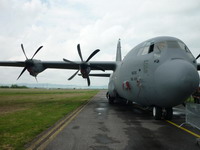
[[24, 113]]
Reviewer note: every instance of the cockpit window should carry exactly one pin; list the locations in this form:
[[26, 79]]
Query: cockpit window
[[177, 44], [145, 50], [151, 48], [183, 47], [148, 49], [157, 48], [160, 46], [172, 44]]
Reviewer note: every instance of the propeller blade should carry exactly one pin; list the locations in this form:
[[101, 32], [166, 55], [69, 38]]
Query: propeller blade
[[91, 55], [73, 75], [79, 52], [22, 72], [37, 51], [66, 60], [36, 79], [23, 51], [88, 81], [197, 56]]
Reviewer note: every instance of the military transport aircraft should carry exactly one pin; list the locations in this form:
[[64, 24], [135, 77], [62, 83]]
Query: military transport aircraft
[[159, 73]]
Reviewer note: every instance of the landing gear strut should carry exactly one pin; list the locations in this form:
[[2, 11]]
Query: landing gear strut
[[166, 113], [110, 99], [157, 113]]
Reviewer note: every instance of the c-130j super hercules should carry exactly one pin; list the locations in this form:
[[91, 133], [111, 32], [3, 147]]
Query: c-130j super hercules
[[159, 73]]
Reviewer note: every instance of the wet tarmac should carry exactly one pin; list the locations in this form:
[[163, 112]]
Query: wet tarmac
[[100, 126]]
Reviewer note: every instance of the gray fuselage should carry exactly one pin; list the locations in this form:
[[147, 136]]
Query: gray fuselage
[[158, 72]]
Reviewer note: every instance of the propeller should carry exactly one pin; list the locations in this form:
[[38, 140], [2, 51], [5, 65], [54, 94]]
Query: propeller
[[28, 62], [197, 56], [84, 67]]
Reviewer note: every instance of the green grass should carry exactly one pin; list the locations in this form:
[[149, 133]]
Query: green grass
[[24, 113]]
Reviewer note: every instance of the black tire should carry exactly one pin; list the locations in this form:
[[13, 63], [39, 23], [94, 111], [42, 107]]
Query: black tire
[[129, 103], [107, 95], [168, 114], [111, 100], [157, 113]]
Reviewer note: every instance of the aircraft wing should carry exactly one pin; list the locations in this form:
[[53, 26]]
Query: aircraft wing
[[12, 63], [99, 75], [106, 65]]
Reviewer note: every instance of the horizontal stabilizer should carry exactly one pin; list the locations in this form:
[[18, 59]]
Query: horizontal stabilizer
[[99, 75]]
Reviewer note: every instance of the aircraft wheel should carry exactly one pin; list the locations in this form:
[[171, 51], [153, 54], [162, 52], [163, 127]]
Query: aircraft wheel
[[107, 95], [157, 113], [129, 103], [168, 113], [110, 99]]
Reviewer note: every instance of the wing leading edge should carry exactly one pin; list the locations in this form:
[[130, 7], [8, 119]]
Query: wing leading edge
[[12, 63], [106, 65], [99, 75]]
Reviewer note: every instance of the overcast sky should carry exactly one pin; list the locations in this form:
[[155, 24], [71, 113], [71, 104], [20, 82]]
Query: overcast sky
[[59, 25]]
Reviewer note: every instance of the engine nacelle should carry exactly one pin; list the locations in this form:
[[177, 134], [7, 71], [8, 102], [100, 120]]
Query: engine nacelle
[[34, 67], [85, 70]]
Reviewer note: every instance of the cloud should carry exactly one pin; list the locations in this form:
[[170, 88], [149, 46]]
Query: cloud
[[60, 25]]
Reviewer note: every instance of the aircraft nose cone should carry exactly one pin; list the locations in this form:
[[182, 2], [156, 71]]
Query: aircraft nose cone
[[175, 81]]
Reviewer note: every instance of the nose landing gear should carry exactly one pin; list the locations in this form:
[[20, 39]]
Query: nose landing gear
[[166, 113], [110, 99], [157, 113]]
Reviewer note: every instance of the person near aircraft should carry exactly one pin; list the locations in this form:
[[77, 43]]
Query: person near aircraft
[[196, 96]]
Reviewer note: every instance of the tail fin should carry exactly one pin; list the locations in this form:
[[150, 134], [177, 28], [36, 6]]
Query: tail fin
[[119, 55]]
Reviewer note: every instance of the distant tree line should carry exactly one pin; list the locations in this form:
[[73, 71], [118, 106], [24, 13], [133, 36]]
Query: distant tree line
[[14, 86]]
